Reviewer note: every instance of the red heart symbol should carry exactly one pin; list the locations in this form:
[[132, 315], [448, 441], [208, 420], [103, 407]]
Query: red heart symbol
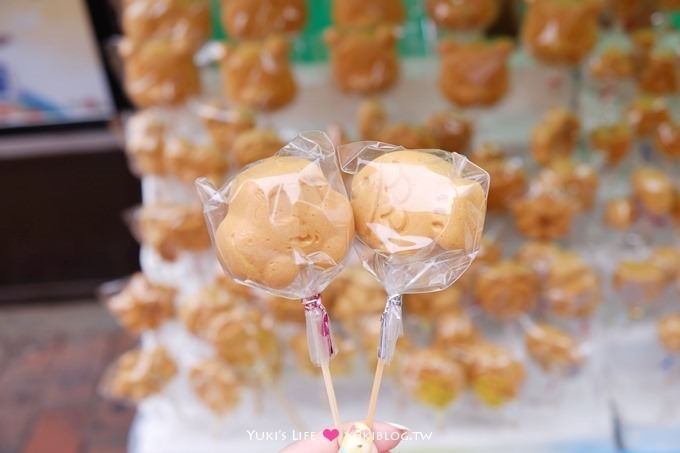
[[331, 434]]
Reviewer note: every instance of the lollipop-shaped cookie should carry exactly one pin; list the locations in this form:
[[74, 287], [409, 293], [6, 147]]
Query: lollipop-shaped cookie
[[419, 216], [285, 225]]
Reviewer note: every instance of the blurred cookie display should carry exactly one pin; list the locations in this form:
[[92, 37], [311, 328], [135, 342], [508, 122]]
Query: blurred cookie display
[[142, 305], [184, 22], [257, 19], [257, 74], [495, 375], [158, 72], [668, 331], [359, 13], [560, 32], [433, 378], [614, 141], [447, 130], [363, 61], [463, 15], [475, 73], [555, 135], [138, 374], [216, 385], [506, 290], [172, 229], [552, 349]]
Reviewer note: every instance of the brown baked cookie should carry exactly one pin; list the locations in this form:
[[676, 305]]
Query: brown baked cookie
[[283, 217], [360, 13], [159, 72], [553, 349], [463, 15], [555, 135], [475, 73], [406, 201], [654, 190], [506, 290], [363, 61], [257, 74], [614, 141], [561, 32], [185, 22], [257, 19]]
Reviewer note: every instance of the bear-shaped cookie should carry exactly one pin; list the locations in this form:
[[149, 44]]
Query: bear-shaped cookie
[[363, 61], [463, 15], [283, 217], [474, 73], [361, 13], [182, 21], [257, 74], [159, 72], [257, 19], [409, 200], [561, 32], [553, 349], [646, 114]]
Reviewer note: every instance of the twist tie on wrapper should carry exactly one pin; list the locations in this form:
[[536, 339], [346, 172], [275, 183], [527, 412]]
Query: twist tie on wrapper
[[391, 328], [319, 335]]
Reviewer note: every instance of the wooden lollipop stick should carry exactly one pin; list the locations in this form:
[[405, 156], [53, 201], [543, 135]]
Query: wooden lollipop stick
[[330, 392], [373, 402]]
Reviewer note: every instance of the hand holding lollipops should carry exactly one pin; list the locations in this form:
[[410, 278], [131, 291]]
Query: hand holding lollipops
[[419, 217], [284, 224]]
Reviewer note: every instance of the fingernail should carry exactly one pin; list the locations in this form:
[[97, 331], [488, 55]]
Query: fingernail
[[399, 427], [358, 438]]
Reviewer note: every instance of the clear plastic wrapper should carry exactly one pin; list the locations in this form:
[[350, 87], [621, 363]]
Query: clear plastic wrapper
[[359, 13], [257, 74], [285, 225], [364, 61], [419, 216], [465, 15], [185, 22], [257, 19], [475, 73], [159, 72], [560, 32]]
